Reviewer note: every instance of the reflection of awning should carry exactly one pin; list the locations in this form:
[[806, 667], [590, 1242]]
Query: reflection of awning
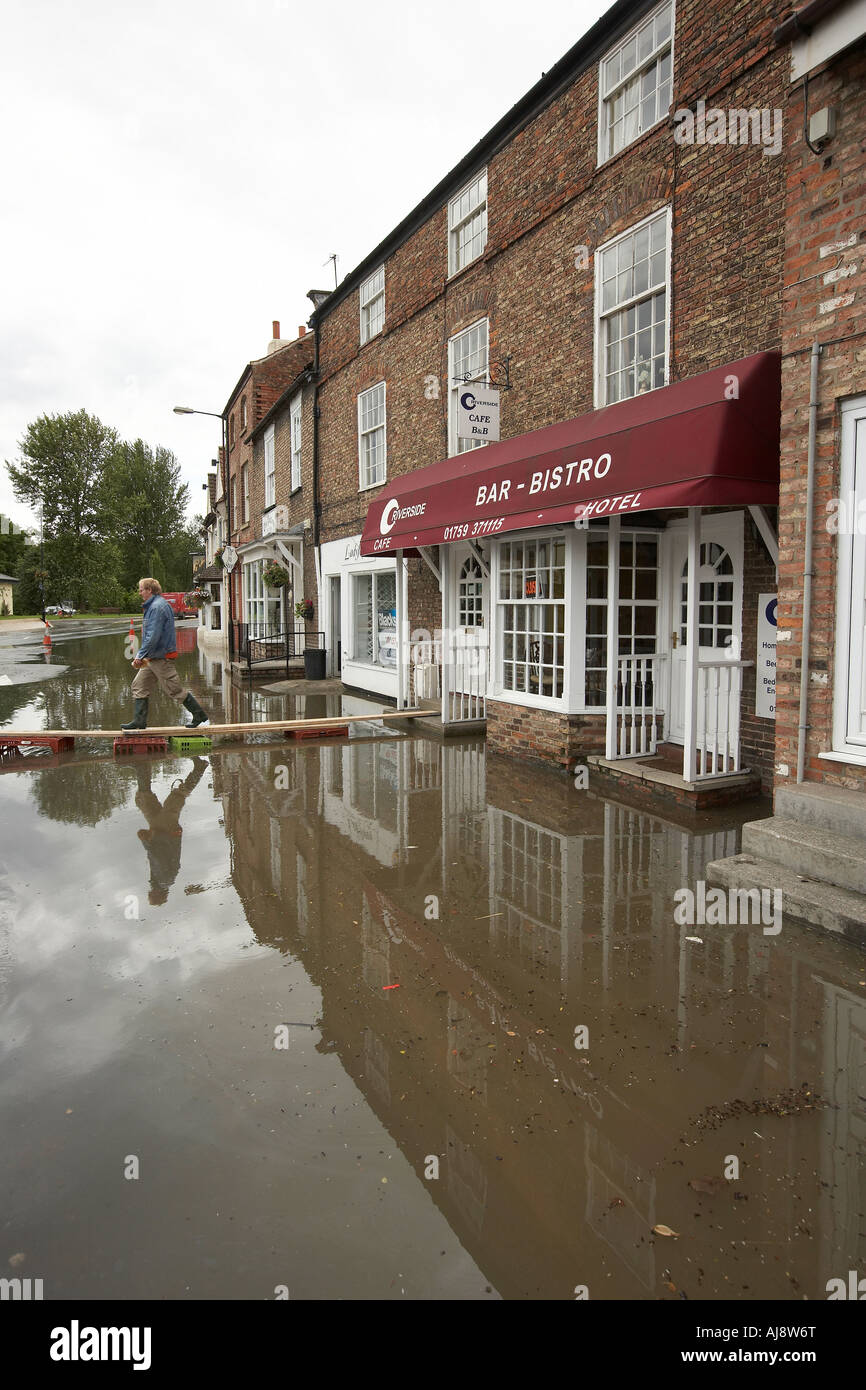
[[710, 441]]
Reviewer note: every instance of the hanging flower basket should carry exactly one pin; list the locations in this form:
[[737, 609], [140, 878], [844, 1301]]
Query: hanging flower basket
[[197, 598], [304, 609], [275, 576]]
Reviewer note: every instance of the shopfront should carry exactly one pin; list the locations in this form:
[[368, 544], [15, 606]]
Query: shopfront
[[593, 574], [360, 600]]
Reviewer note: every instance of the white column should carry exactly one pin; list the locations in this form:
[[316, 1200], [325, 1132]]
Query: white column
[[612, 633], [690, 697], [444, 646], [400, 591]]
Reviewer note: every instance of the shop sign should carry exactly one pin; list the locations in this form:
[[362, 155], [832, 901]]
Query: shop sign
[[478, 414], [765, 686]]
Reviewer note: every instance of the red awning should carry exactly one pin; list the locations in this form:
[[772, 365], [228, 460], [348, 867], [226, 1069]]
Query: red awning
[[707, 442]]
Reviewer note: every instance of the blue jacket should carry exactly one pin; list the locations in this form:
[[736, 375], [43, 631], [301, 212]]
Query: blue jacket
[[157, 633]]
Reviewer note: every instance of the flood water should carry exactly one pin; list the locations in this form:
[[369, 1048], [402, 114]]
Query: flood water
[[388, 1018]]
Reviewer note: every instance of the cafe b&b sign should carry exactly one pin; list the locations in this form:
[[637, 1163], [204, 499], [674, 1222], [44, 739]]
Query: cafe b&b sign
[[478, 413]]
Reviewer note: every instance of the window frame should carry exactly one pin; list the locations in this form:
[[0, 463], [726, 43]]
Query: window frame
[[270, 471], [296, 440], [454, 226], [498, 604], [849, 670], [654, 56], [375, 576], [365, 305], [245, 493], [455, 445], [379, 481], [599, 373]]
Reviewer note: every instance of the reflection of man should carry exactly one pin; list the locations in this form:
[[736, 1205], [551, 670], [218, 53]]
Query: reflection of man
[[163, 835]]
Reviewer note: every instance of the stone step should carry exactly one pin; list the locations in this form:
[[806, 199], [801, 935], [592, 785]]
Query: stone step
[[818, 905], [829, 808], [819, 854]]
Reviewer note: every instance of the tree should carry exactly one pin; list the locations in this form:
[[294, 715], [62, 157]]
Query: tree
[[61, 474], [146, 500]]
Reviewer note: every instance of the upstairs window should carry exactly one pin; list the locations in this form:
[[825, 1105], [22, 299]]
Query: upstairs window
[[371, 437], [245, 483], [373, 305], [467, 224], [635, 82], [295, 427], [467, 361], [270, 470], [632, 311], [243, 413]]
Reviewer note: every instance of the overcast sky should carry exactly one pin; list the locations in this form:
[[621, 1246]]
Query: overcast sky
[[176, 173]]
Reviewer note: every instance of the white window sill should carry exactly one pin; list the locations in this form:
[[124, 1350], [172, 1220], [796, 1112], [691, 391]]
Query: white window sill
[[371, 486], [857, 759]]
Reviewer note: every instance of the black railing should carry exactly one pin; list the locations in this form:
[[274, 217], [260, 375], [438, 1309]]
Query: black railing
[[255, 643]]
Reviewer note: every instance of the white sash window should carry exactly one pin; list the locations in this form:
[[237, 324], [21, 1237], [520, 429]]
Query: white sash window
[[847, 517]]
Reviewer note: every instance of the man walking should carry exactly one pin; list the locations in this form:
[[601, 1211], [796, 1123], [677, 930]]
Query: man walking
[[154, 661]]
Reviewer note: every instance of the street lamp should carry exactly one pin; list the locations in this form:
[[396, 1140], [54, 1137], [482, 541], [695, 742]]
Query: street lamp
[[188, 410]]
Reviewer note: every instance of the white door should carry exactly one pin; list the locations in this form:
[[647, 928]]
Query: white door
[[470, 636], [720, 616]]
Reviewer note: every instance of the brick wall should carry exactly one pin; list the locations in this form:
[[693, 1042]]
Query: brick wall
[[824, 301], [546, 200]]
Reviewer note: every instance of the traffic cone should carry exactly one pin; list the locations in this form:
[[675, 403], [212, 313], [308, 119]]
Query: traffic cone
[[46, 640], [131, 629]]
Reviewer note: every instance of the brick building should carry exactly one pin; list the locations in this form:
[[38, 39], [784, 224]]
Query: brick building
[[255, 505], [611, 255]]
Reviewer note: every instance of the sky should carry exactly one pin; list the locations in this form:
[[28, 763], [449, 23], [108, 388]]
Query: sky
[[177, 173]]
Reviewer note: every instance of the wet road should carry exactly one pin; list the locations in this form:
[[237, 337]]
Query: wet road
[[387, 1018]]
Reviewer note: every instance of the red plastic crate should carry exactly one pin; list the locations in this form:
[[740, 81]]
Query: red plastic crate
[[338, 731], [56, 744], [145, 744]]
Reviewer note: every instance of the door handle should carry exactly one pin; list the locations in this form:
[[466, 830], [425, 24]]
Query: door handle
[[674, 640]]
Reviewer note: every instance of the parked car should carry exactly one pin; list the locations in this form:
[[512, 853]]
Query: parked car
[[64, 610]]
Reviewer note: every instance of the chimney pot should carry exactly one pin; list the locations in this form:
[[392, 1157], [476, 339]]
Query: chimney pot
[[302, 331], [276, 327]]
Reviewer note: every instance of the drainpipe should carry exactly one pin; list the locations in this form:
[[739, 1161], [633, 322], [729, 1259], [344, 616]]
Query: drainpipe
[[807, 563]]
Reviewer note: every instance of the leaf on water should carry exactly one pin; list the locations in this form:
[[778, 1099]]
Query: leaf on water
[[661, 1230]]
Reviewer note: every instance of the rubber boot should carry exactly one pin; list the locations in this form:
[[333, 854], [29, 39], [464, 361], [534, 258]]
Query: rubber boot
[[195, 709], [140, 720]]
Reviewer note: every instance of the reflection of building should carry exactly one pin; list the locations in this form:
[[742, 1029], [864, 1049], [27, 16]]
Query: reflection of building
[[507, 911]]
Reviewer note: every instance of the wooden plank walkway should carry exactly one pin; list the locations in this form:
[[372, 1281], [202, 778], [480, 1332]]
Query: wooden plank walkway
[[223, 730]]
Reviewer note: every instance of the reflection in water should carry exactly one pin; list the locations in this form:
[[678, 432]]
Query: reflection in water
[[162, 838], [445, 924], [510, 911]]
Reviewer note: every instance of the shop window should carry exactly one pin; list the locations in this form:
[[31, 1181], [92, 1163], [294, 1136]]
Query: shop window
[[374, 612], [531, 606], [467, 224], [632, 311], [635, 82], [261, 605], [638, 606], [467, 361], [372, 297]]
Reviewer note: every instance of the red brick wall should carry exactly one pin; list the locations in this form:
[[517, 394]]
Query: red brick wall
[[826, 205]]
